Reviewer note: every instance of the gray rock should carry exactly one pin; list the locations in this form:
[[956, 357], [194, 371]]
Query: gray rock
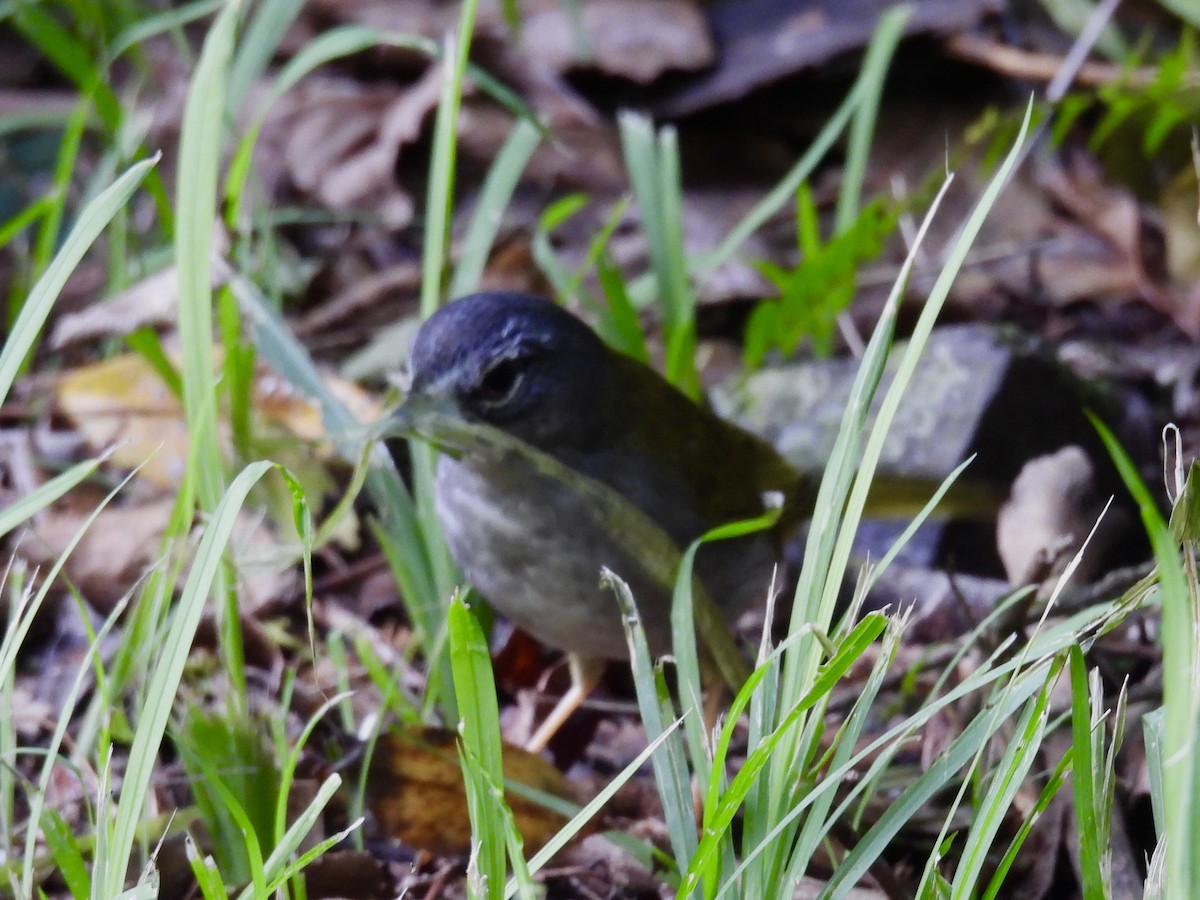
[[979, 389]]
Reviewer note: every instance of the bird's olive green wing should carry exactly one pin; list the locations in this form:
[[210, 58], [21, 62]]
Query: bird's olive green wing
[[729, 471]]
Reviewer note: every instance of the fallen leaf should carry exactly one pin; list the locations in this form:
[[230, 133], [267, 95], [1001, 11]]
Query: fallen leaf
[[339, 142], [112, 554], [122, 403], [415, 790], [640, 40], [1051, 511]]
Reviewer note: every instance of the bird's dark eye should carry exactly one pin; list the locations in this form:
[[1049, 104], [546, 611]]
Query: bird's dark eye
[[500, 382]]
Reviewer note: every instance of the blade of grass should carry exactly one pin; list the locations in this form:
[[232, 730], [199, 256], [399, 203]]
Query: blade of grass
[[1181, 671], [883, 43], [670, 762], [757, 761], [153, 25], [39, 208], [767, 800], [439, 200], [1053, 785], [43, 495], [71, 56], [156, 709], [208, 876], [494, 196], [398, 528], [872, 75], [845, 743], [92, 220], [280, 865], [266, 28], [21, 618], [795, 674], [53, 821], [196, 196], [962, 750], [652, 161], [479, 725], [439, 203], [1005, 779], [593, 807], [1050, 642]]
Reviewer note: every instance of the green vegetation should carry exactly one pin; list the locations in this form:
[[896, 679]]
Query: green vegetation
[[764, 821]]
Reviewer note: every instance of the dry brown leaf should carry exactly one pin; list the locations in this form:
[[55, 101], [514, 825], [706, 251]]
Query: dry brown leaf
[[112, 553], [348, 875], [19, 474], [122, 401], [338, 142], [151, 302], [415, 790], [416, 17], [635, 39], [1051, 511], [1114, 218]]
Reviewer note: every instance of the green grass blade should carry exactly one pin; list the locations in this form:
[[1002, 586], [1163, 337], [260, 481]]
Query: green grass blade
[[917, 795], [267, 26], [1053, 785], [479, 725], [1006, 778], [1085, 768], [872, 76], [669, 763], [280, 866], [92, 220], [652, 160], [73, 58], [1181, 671], [44, 494], [196, 197], [153, 25], [883, 41], [152, 721], [593, 807], [68, 856], [65, 852], [439, 200], [494, 196]]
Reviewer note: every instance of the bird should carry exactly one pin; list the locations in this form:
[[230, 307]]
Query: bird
[[502, 380]]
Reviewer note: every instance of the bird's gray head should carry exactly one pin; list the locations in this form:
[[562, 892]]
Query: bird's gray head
[[517, 362]]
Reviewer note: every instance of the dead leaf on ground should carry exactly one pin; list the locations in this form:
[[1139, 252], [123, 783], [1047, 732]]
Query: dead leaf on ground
[[150, 302], [635, 39], [760, 42], [338, 142], [640, 40], [1053, 506], [19, 475], [348, 875], [415, 790], [122, 403], [1114, 216], [112, 554], [412, 17]]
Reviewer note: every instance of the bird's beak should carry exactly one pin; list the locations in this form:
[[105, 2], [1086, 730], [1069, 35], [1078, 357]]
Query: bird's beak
[[426, 416]]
